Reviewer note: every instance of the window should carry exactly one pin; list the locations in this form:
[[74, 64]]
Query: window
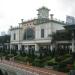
[[29, 34], [42, 33], [14, 36]]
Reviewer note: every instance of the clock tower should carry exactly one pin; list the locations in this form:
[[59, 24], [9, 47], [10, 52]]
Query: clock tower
[[43, 13]]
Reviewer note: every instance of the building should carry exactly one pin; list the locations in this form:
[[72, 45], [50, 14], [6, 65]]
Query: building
[[5, 42], [35, 34], [3, 33]]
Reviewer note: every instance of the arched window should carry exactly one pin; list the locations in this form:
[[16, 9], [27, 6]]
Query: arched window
[[29, 34]]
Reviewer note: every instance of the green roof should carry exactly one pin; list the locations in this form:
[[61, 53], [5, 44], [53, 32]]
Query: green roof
[[70, 27]]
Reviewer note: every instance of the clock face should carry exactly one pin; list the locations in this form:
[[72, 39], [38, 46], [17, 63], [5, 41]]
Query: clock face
[[29, 34]]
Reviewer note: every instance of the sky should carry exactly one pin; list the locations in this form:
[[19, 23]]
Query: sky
[[12, 11]]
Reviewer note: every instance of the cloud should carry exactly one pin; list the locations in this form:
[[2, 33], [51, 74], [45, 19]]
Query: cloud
[[68, 6], [11, 11], [2, 15]]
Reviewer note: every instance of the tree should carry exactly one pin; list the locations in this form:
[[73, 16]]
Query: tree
[[60, 35], [4, 39], [1, 73]]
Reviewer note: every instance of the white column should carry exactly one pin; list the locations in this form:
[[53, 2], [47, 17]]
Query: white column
[[19, 46], [36, 47], [11, 46], [26, 48], [51, 48], [73, 42]]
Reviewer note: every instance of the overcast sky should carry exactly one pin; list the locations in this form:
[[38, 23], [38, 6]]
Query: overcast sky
[[12, 11]]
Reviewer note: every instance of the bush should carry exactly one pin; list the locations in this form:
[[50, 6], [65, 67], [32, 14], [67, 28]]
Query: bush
[[25, 59], [9, 56], [1, 54], [59, 59], [68, 60], [74, 65], [21, 58], [46, 58], [61, 67], [1, 73], [38, 63], [67, 56], [51, 62]]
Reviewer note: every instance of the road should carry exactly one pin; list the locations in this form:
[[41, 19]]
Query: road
[[30, 69]]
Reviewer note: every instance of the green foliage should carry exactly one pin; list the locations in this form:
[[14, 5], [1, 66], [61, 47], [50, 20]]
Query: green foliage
[[58, 62], [62, 58], [25, 59], [38, 63], [4, 39], [1, 73], [62, 62], [66, 56], [59, 59], [22, 53], [51, 62], [47, 58], [68, 60], [61, 67], [7, 57], [1, 54], [74, 65], [14, 52]]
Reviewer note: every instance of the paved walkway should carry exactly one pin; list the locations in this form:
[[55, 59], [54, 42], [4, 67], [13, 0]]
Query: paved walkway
[[39, 71]]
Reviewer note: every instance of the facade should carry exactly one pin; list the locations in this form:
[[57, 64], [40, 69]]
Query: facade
[[35, 34]]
